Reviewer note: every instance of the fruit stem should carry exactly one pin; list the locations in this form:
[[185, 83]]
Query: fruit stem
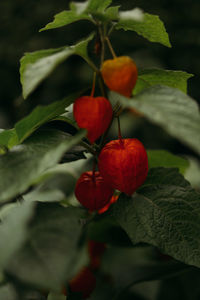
[[101, 85], [88, 147], [119, 129], [110, 47], [93, 84], [101, 34], [94, 169]]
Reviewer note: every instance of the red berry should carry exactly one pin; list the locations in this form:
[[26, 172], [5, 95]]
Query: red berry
[[92, 191], [84, 283], [124, 164], [93, 114], [96, 250]]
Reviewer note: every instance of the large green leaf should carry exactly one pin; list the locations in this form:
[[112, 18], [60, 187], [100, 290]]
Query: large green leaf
[[162, 158], [13, 231], [151, 27], [24, 163], [36, 66], [41, 115], [49, 257], [165, 213], [149, 77], [169, 108]]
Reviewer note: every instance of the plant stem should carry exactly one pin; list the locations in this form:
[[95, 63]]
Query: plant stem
[[119, 129], [110, 47], [92, 65], [93, 84], [102, 39], [88, 147]]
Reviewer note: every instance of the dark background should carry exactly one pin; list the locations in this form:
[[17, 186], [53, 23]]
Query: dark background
[[22, 19]]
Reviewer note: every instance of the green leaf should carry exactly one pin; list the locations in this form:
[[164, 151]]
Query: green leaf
[[50, 255], [169, 108], [165, 213], [13, 231], [151, 28], [24, 163], [149, 77], [7, 292], [162, 158], [80, 11], [66, 17], [41, 115], [8, 138], [36, 66], [96, 5]]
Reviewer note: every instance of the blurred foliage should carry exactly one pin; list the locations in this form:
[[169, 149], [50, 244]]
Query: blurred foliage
[[21, 21]]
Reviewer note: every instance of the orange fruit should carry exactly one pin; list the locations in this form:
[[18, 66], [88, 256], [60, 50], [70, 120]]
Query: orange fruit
[[120, 74]]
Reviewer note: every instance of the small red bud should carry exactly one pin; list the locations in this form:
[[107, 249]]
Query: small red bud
[[93, 114], [123, 164], [96, 250], [84, 283], [92, 191]]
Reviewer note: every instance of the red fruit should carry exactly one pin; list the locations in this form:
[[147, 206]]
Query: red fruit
[[92, 191], [84, 283], [96, 250], [123, 164], [93, 114], [120, 74]]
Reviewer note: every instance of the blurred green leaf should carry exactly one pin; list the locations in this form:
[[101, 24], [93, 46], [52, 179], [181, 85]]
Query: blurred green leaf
[[38, 65], [151, 27], [22, 165], [149, 77], [7, 292], [162, 158], [13, 231], [165, 213], [56, 296], [41, 115], [49, 257], [137, 264], [169, 108], [192, 173], [55, 188]]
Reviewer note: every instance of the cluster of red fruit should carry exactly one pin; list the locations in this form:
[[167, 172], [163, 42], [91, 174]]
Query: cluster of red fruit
[[122, 163]]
